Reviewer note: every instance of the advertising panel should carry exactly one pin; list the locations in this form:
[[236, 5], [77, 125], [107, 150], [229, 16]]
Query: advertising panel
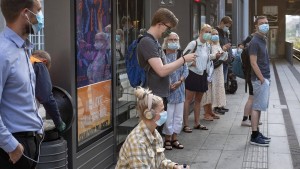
[[93, 68]]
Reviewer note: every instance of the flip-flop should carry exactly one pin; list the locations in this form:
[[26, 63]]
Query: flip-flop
[[187, 129], [200, 127]]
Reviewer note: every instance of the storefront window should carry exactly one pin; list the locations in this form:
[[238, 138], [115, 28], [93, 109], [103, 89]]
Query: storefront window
[[93, 69], [130, 24], [199, 18]]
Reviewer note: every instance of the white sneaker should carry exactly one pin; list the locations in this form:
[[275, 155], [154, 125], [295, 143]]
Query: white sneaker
[[246, 123]]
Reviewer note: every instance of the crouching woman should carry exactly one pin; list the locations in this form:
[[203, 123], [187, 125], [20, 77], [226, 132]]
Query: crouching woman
[[143, 147]]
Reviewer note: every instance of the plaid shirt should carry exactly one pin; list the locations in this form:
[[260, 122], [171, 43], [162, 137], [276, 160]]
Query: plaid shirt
[[142, 149]]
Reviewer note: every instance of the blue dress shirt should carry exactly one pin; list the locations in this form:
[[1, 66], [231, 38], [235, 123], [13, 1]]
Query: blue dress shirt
[[18, 109]]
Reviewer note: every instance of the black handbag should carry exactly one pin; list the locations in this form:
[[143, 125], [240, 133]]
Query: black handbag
[[217, 63]]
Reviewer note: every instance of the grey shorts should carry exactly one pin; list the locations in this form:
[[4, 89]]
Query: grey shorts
[[261, 94]]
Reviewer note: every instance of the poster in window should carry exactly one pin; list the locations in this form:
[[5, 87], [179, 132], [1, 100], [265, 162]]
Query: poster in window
[[93, 68]]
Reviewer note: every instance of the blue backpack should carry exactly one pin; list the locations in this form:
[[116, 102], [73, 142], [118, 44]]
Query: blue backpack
[[237, 67], [136, 74]]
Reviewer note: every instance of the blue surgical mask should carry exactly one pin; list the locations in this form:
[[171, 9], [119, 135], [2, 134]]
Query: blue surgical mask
[[162, 119], [264, 28], [173, 45], [40, 25], [118, 38], [225, 29], [206, 36], [215, 38]]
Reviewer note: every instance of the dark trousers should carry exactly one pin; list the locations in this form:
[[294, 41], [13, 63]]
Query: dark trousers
[[31, 150]]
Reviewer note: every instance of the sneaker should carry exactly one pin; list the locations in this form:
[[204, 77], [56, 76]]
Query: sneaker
[[224, 109], [246, 123], [219, 111], [259, 142], [267, 139]]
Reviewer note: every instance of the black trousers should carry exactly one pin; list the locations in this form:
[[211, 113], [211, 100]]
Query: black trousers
[[31, 150]]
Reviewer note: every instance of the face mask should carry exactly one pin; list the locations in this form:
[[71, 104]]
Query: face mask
[[118, 38], [264, 28], [173, 46], [206, 36], [239, 51], [225, 29], [40, 25], [162, 119], [215, 38], [166, 33], [98, 45]]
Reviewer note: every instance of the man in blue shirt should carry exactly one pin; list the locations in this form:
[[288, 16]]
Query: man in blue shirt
[[20, 123], [260, 78]]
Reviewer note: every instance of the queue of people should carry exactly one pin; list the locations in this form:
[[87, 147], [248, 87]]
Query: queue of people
[[176, 78], [183, 78]]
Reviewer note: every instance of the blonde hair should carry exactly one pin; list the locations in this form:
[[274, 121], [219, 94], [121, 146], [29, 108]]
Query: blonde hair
[[142, 100], [165, 44], [204, 27], [121, 33]]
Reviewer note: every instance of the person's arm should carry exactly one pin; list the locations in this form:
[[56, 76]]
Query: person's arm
[[45, 96], [148, 49], [7, 141], [164, 70], [255, 68]]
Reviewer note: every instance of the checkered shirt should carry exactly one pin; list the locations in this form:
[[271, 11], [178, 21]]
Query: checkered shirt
[[142, 150]]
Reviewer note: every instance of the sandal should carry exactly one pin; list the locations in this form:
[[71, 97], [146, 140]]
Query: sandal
[[200, 127], [214, 116], [208, 118], [187, 129], [168, 145], [176, 144]]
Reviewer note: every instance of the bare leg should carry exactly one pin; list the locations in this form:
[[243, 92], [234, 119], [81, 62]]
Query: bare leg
[[255, 119], [174, 136], [189, 95], [197, 107], [248, 106]]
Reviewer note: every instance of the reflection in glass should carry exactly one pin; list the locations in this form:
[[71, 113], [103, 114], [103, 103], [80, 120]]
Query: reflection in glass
[[93, 67]]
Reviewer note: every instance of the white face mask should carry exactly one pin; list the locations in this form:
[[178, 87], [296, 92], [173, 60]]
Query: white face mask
[[98, 46], [240, 51]]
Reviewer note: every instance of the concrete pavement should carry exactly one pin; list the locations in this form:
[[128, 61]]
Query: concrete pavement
[[226, 144]]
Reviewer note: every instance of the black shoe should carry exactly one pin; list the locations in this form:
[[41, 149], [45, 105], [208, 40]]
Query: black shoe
[[219, 111], [223, 108]]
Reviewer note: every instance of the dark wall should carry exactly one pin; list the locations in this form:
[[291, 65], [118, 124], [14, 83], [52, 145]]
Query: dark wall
[[182, 10], [282, 6]]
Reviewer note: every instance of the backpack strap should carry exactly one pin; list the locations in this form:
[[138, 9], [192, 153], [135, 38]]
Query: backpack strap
[[195, 48], [179, 53]]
